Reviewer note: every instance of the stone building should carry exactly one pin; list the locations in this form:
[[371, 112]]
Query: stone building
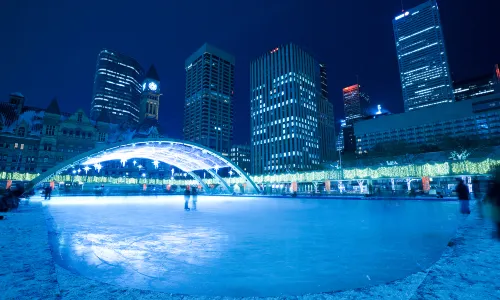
[[32, 140]]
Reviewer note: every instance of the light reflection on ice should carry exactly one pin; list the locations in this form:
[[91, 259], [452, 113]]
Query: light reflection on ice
[[248, 246], [145, 253]]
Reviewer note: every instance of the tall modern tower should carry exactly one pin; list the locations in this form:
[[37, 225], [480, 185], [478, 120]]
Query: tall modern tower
[[150, 97], [116, 88], [355, 106], [326, 123], [355, 103], [284, 85], [208, 110], [423, 64]]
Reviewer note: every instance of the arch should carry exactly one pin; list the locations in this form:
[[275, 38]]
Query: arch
[[187, 156]]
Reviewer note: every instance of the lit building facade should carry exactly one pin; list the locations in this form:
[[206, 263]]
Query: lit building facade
[[284, 91], [117, 88], [355, 108], [240, 155], [478, 117], [477, 87], [33, 140], [208, 110], [355, 103], [326, 122], [340, 137], [423, 63]]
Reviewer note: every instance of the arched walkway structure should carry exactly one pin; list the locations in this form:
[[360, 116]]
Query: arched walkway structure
[[186, 156]]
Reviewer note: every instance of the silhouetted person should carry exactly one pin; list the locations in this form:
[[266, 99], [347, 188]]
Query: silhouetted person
[[194, 192], [48, 192], [463, 196], [493, 198], [187, 195]]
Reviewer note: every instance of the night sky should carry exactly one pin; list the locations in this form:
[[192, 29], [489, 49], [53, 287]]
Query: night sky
[[50, 50]]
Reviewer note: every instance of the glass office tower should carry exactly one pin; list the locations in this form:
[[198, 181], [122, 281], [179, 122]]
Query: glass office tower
[[284, 91], [208, 110], [423, 64], [117, 88], [326, 122]]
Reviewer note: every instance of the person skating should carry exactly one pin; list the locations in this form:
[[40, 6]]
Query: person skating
[[463, 196], [194, 192], [493, 199], [187, 195]]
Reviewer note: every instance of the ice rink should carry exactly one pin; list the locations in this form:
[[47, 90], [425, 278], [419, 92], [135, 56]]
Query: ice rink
[[239, 246]]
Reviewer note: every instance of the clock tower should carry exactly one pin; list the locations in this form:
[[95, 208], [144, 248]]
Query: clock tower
[[150, 96]]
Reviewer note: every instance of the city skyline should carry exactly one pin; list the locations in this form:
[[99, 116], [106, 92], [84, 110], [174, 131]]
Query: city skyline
[[75, 91]]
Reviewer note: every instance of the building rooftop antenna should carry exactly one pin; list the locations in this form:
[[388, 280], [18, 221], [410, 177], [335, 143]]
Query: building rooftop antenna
[[402, 7]]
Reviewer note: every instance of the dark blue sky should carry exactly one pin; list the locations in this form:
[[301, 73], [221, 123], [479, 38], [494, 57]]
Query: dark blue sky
[[51, 49]]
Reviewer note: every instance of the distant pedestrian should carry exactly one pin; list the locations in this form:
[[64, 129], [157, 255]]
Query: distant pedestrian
[[48, 192], [463, 196], [187, 195], [194, 192], [493, 200], [476, 189]]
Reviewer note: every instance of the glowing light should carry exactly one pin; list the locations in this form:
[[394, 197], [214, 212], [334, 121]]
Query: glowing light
[[156, 163], [402, 15], [135, 162], [98, 167], [123, 161], [86, 168], [379, 109], [143, 174], [139, 166]]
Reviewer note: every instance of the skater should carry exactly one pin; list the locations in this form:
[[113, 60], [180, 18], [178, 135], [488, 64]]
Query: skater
[[187, 195], [493, 200], [463, 197], [194, 192], [48, 191]]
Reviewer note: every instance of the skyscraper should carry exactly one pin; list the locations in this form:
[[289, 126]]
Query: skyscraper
[[326, 123], [116, 88], [355, 103], [208, 110], [284, 85], [355, 108], [423, 64], [240, 155]]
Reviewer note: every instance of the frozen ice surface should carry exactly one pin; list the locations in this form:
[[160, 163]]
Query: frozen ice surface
[[239, 246]]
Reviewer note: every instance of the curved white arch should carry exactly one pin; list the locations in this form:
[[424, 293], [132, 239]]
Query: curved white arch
[[188, 157]]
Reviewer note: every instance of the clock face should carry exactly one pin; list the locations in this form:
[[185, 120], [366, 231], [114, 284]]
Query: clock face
[[152, 86], [144, 86]]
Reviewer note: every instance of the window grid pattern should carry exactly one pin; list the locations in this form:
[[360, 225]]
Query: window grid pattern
[[423, 64], [284, 95]]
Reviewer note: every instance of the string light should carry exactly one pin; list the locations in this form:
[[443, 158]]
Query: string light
[[396, 171]]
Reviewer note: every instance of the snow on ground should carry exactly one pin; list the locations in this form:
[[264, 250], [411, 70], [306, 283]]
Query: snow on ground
[[468, 269], [27, 269]]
